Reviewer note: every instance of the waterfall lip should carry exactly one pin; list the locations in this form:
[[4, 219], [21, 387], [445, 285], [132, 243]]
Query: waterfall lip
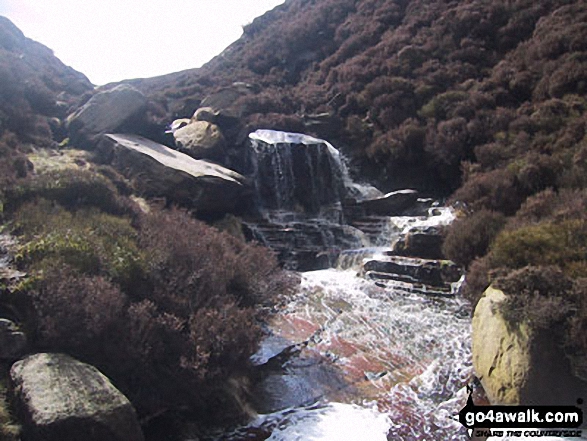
[[278, 137]]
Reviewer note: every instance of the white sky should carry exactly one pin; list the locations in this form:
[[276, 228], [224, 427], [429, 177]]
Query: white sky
[[112, 40]]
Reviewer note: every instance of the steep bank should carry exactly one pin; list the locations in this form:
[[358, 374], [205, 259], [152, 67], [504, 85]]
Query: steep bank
[[408, 89]]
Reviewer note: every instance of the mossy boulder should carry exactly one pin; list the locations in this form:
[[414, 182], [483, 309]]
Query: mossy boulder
[[516, 363]]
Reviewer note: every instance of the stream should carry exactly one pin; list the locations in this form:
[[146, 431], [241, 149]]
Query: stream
[[373, 346]]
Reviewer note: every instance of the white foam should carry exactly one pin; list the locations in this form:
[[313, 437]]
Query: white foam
[[278, 137], [335, 422]]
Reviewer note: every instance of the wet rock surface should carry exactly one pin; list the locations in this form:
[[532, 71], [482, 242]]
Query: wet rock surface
[[294, 172], [367, 325], [343, 342], [305, 244], [431, 276], [424, 242], [390, 204]]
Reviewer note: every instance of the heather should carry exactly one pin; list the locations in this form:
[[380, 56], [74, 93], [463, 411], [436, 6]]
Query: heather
[[168, 307], [158, 302], [413, 90], [480, 101]]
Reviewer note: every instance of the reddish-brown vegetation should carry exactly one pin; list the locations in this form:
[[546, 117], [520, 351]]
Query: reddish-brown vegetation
[[484, 101], [168, 310]]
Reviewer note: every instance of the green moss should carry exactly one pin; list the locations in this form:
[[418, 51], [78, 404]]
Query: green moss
[[562, 243], [88, 240], [71, 188]]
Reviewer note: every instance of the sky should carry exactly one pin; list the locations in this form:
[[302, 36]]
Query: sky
[[112, 40]]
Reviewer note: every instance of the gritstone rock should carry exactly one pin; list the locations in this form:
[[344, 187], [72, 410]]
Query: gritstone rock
[[60, 398], [158, 171]]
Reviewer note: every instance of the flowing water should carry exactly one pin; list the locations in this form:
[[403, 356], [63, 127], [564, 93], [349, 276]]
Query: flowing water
[[349, 358], [363, 362]]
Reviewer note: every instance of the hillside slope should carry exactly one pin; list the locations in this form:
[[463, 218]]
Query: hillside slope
[[142, 293], [36, 85], [37, 91], [482, 101], [408, 89]]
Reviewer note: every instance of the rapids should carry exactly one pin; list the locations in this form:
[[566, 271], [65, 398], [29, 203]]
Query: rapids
[[347, 357], [386, 364], [374, 345], [356, 354]]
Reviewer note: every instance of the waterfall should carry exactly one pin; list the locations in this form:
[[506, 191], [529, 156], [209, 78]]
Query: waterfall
[[372, 339], [295, 172]]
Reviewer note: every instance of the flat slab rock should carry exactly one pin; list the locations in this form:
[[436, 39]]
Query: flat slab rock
[[436, 273], [157, 170], [390, 204], [60, 398]]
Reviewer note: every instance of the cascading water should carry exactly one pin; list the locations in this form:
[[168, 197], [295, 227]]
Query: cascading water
[[299, 184], [357, 353], [295, 172]]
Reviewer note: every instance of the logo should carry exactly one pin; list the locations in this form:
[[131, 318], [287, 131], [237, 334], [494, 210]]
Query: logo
[[527, 421]]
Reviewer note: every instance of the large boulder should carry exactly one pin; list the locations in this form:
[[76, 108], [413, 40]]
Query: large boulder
[[515, 363], [200, 140], [158, 171], [106, 112], [60, 398]]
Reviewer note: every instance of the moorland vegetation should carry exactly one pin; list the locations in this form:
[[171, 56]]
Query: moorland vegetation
[[168, 307], [483, 103]]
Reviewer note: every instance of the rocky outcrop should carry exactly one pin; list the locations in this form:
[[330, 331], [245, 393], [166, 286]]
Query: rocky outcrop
[[304, 244], [60, 398], [200, 140], [296, 172], [106, 112], [158, 171], [516, 364], [424, 242]]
